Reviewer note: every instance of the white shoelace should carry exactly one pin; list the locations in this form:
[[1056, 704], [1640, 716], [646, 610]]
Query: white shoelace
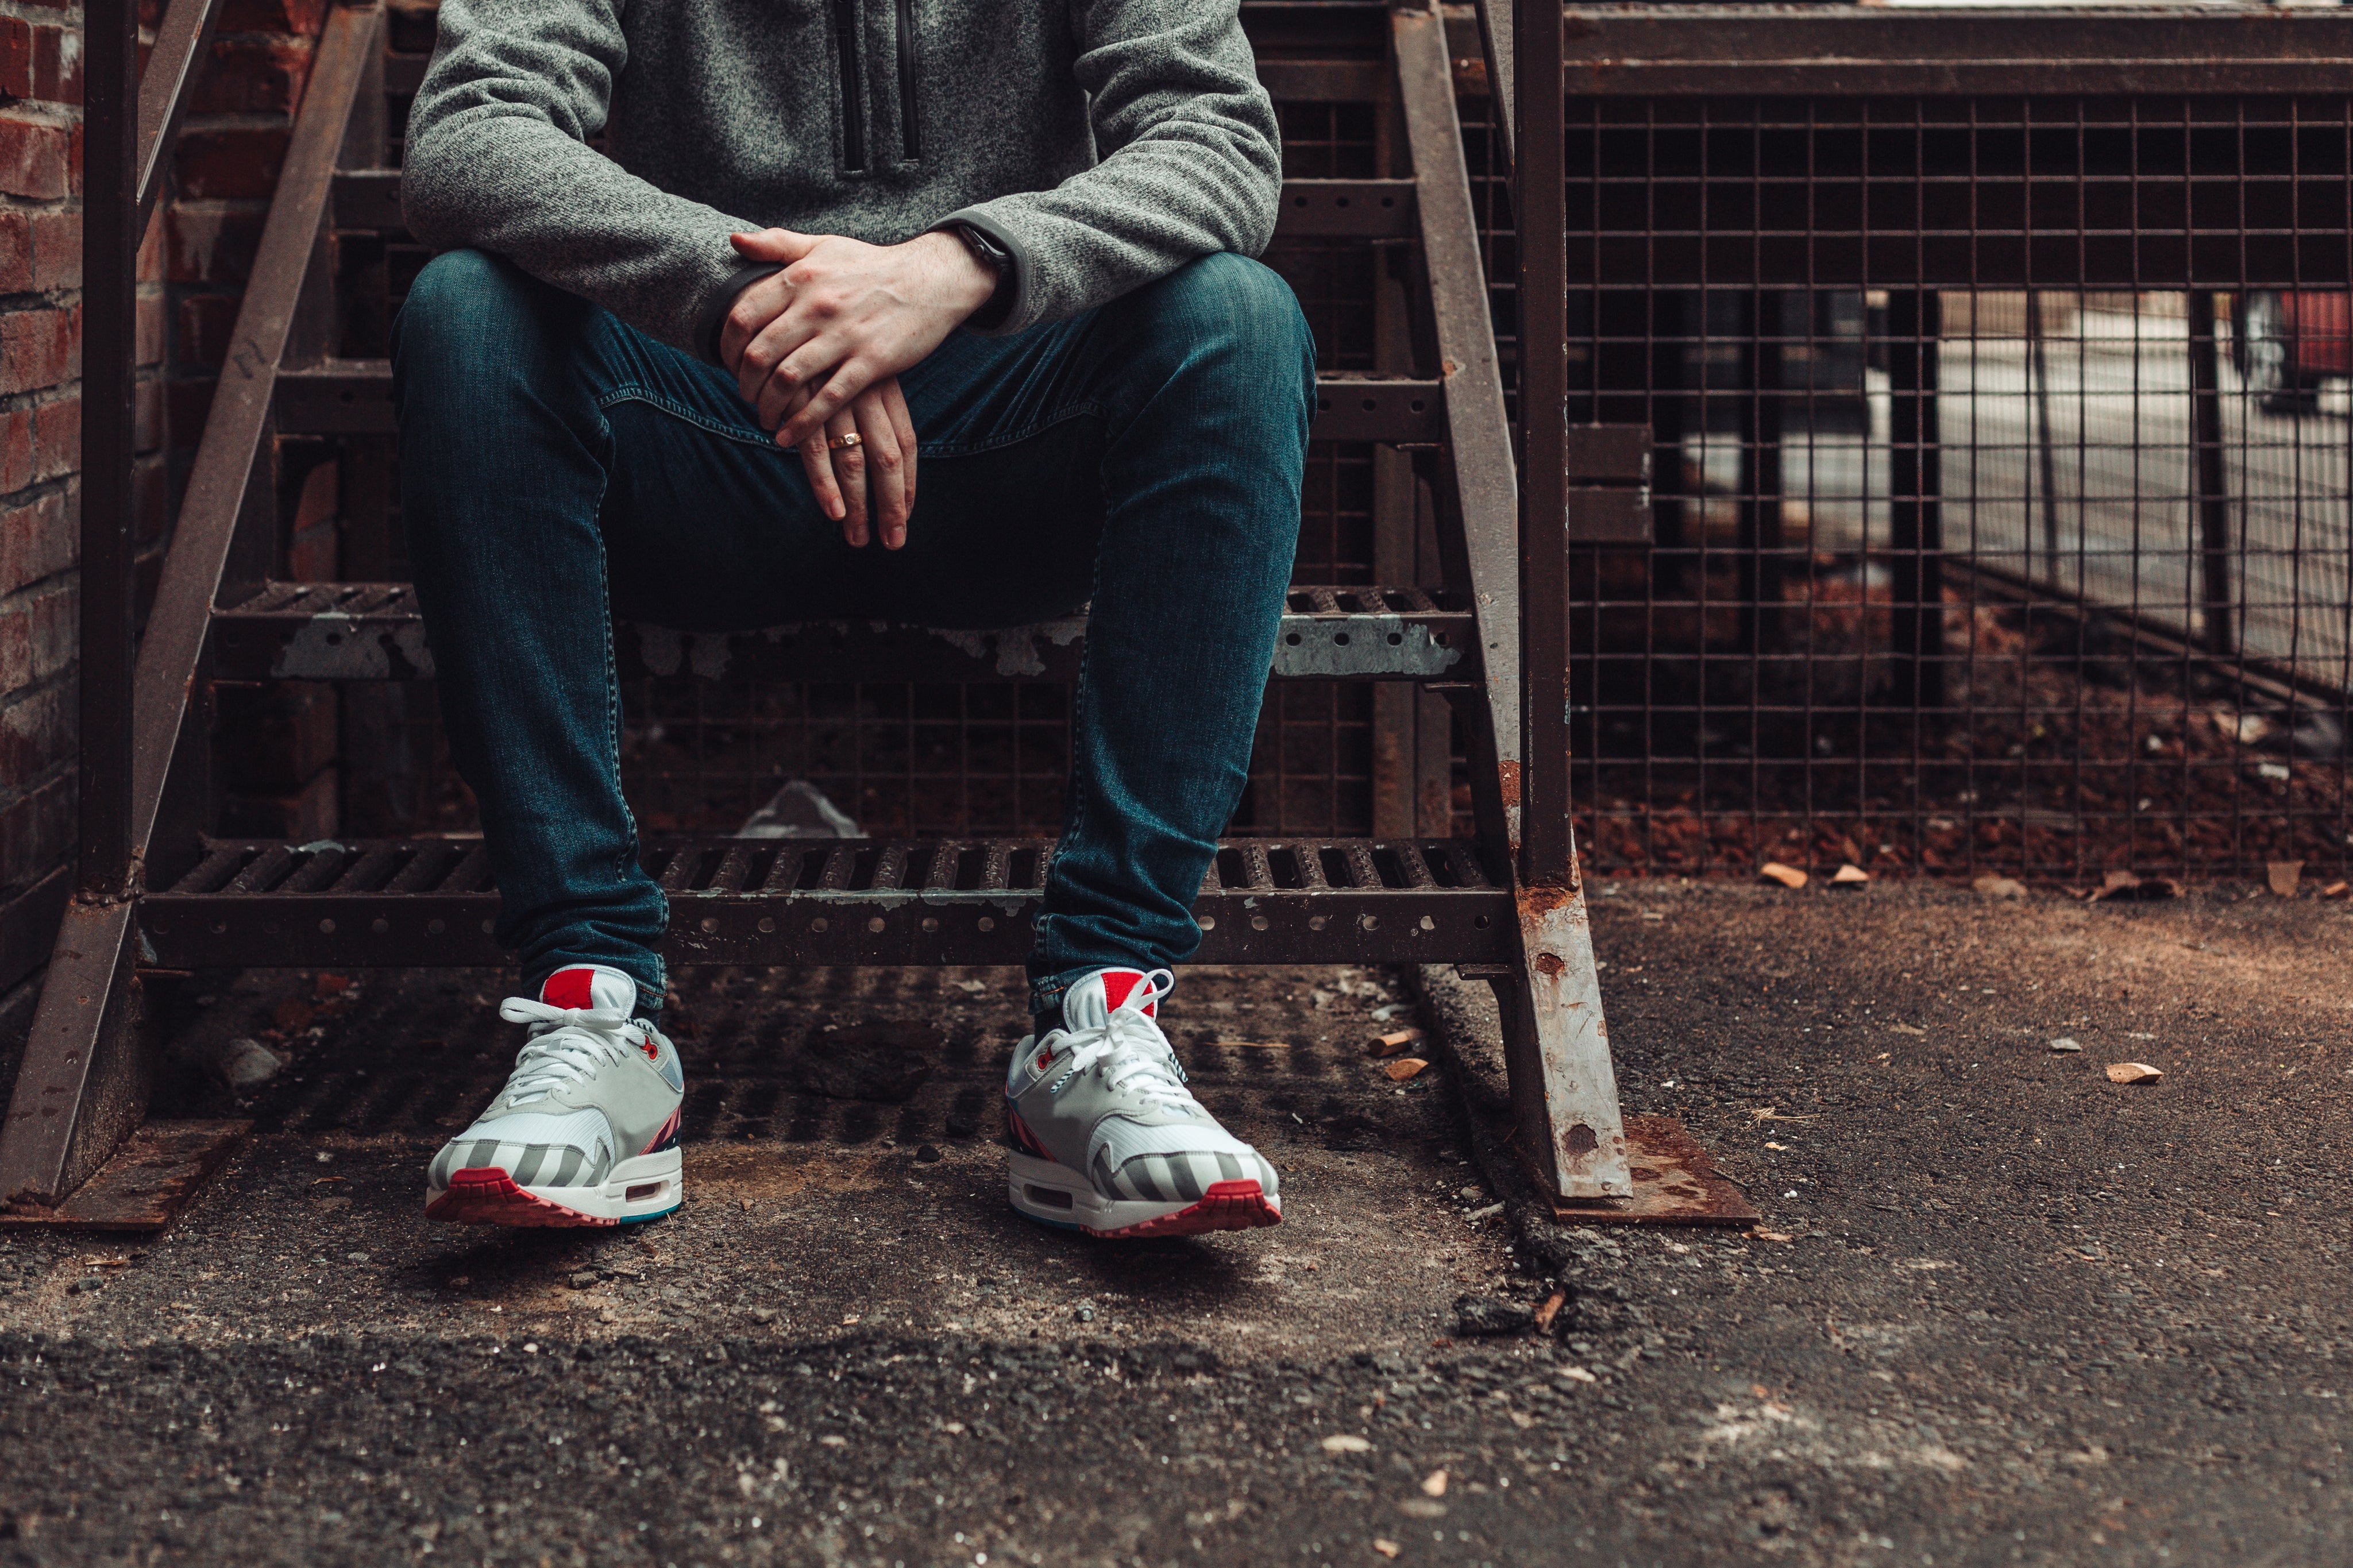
[[567, 1044], [1131, 1053]]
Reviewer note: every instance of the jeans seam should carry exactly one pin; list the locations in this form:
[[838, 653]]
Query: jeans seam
[[630, 392], [630, 845]]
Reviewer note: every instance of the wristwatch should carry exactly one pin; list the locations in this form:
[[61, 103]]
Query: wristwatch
[[999, 261]]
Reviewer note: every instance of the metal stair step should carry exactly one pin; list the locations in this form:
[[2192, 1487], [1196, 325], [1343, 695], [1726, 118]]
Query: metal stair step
[[354, 398], [372, 631], [816, 901]]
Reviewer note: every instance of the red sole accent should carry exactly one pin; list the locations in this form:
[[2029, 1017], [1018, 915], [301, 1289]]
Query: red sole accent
[[1226, 1205], [484, 1194]]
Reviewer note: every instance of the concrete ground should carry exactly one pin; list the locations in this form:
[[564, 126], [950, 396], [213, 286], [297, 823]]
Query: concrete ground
[[2001, 1309]]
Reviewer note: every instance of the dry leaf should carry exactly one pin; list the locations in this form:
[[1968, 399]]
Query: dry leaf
[[1788, 876], [1999, 886], [2133, 1073], [1769, 1114], [1404, 1067], [1393, 1042], [1550, 1310], [1386, 1548], [1434, 1484], [1342, 1443], [1849, 876], [2284, 875], [1772, 1235]]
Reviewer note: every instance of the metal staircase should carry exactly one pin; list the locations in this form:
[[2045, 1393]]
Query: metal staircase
[[160, 890]]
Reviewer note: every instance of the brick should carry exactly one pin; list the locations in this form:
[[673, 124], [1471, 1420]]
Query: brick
[[37, 348], [37, 159], [57, 249], [211, 244], [186, 403], [57, 65], [17, 267], [36, 831], [15, 468], [147, 416], [35, 732], [57, 438], [229, 164], [55, 618], [206, 321], [15, 58], [319, 498], [253, 76], [151, 492], [29, 928], [150, 262], [36, 542], [147, 329]]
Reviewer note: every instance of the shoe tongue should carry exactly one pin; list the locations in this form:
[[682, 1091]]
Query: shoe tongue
[[591, 985], [1089, 1004]]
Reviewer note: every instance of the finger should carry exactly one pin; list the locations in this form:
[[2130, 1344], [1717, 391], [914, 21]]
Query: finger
[[763, 360], [818, 463], [781, 245], [885, 468], [895, 406], [849, 468], [848, 378], [760, 303]]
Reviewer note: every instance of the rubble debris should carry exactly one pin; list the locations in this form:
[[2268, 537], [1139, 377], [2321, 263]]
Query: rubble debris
[[1999, 887], [1434, 1484], [1404, 1067], [245, 1064], [2063, 1044], [1486, 1316], [1849, 876], [2133, 1073], [2283, 876], [1343, 1443], [1393, 1042], [1788, 876]]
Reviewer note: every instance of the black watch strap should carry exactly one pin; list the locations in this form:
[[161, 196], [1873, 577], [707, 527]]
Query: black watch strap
[[998, 260]]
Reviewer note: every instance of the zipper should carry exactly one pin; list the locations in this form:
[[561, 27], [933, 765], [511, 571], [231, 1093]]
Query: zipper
[[846, 23], [911, 144]]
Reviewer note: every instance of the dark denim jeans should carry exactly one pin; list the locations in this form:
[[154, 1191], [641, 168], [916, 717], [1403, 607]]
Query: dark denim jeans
[[558, 468]]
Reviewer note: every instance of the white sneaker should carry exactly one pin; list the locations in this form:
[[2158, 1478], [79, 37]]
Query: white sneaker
[[1108, 1140], [585, 1132]]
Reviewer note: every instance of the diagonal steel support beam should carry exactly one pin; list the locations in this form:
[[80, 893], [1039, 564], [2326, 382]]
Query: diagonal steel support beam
[[82, 1087], [1557, 1043]]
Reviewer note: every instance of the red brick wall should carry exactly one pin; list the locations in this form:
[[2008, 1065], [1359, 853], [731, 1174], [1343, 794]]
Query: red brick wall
[[192, 267]]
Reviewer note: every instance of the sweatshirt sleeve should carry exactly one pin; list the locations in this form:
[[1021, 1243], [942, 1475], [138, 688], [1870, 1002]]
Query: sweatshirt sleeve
[[1190, 162], [498, 159]]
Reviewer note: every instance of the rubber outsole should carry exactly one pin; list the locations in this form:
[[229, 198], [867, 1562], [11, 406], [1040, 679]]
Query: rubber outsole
[[487, 1195], [1035, 1185]]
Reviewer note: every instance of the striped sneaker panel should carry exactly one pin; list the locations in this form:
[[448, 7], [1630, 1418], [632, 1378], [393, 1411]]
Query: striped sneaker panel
[[543, 1164]]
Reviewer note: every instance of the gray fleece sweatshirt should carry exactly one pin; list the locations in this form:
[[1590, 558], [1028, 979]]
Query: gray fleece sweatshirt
[[1103, 143]]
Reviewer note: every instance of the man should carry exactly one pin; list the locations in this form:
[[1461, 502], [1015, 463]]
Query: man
[[835, 255]]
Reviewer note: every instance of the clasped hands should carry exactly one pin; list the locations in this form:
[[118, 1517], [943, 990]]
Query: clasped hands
[[817, 350]]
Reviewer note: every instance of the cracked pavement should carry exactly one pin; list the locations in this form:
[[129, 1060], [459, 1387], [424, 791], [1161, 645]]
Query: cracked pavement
[[1999, 1310]]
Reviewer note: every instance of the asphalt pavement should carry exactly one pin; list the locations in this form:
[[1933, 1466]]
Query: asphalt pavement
[[2001, 1309]]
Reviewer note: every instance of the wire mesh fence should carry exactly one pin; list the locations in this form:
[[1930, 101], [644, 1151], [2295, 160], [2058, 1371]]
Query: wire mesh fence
[[2002, 468]]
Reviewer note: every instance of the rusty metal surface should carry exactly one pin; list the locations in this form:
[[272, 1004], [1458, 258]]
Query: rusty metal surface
[[1674, 1183], [1346, 209], [180, 48], [146, 1183], [801, 901], [372, 631], [82, 1085], [354, 398], [1687, 50]]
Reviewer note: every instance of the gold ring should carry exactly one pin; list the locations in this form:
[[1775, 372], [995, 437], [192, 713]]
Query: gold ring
[[836, 443]]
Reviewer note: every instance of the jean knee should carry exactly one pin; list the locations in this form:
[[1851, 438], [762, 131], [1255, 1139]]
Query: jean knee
[[1247, 304], [471, 321]]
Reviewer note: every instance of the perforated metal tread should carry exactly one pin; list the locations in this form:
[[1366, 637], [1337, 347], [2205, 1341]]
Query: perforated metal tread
[[371, 631], [814, 902]]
